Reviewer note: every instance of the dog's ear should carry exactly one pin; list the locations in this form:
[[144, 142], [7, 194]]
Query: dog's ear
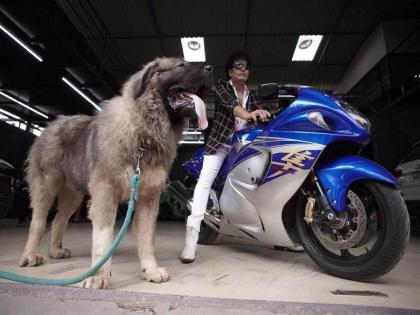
[[137, 84], [145, 76]]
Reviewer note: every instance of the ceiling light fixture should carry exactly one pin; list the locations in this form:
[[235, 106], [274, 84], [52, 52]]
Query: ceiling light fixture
[[193, 49], [189, 132], [306, 47], [21, 43], [190, 142], [23, 104], [193, 45], [81, 93], [10, 114], [38, 127]]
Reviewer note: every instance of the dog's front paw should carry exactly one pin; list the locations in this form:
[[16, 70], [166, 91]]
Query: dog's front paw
[[96, 282], [156, 274], [60, 253], [31, 260]]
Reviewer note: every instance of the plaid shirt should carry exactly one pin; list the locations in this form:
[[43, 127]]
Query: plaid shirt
[[224, 120]]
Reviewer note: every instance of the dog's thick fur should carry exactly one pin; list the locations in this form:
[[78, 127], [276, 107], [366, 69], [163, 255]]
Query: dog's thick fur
[[81, 155]]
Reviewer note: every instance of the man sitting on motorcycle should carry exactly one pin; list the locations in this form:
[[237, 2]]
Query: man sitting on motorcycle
[[235, 105]]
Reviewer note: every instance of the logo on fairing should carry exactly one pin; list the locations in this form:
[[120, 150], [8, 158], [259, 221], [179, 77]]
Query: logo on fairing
[[296, 160], [288, 156]]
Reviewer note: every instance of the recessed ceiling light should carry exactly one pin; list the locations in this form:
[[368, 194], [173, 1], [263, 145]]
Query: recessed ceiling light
[[21, 43], [305, 44], [306, 47], [193, 45], [193, 49]]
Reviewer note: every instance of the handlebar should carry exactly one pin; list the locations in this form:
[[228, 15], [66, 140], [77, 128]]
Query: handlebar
[[273, 114]]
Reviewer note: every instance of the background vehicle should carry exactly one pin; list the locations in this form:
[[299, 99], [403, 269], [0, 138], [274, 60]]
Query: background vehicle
[[408, 173]]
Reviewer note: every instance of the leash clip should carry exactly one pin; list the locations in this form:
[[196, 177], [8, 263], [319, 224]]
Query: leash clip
[[140, 153]]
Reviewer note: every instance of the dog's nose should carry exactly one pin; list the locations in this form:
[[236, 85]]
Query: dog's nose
[[208, 68]]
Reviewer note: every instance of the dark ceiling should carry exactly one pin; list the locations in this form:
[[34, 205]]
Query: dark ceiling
[[98, 44]]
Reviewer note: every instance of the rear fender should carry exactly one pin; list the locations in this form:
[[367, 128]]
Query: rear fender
[[337, 175]]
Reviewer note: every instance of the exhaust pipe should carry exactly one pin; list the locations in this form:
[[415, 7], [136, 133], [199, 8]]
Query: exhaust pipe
[[181, 193]]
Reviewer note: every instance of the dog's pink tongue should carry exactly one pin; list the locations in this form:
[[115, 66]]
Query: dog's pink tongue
[[200, 109]]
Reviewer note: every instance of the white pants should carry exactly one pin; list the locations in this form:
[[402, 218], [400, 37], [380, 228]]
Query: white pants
[[211, 167]]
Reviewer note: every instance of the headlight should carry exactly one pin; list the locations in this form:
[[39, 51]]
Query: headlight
[[355, 114], [362, 121]]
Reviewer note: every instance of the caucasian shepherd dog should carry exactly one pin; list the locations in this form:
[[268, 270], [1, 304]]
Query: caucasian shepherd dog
[[80, 155]]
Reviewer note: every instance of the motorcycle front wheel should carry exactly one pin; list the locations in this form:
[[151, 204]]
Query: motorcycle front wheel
[[367, 240]]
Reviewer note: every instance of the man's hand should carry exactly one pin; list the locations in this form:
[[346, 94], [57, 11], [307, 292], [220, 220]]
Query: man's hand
[[240, 112], [263, 114]]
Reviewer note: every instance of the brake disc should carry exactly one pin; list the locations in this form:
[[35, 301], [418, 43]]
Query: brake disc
[[350, 227]]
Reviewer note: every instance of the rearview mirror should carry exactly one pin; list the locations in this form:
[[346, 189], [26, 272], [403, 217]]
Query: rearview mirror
[[268, 91]]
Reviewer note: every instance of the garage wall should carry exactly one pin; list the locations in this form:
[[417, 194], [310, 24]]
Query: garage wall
[[14, 144], [394, 132]]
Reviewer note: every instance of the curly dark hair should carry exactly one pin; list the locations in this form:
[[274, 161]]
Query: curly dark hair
[[236, 55]]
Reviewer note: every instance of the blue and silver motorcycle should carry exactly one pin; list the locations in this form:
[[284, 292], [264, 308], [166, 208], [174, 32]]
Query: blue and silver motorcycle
[[299, 179]]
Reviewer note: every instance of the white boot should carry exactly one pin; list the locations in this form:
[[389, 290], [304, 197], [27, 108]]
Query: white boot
[[191, 238]]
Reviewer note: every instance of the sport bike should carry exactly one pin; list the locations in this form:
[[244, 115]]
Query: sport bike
[[300, 179]]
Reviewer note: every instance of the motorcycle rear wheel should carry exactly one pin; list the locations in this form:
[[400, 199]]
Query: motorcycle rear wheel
[[378, 218]]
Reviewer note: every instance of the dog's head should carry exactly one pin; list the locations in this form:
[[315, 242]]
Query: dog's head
[[181, 85]]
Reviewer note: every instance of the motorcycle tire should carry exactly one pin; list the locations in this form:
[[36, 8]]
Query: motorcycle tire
[[392, 231]]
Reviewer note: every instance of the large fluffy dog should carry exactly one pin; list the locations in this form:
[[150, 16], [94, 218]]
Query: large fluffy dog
[[81, 155]]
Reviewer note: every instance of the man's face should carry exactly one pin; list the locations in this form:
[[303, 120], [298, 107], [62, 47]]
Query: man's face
[[239, 71]]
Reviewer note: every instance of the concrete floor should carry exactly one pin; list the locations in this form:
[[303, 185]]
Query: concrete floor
[[231, 269]]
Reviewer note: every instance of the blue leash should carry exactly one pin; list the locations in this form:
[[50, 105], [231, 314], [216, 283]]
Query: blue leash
[[135, 183]]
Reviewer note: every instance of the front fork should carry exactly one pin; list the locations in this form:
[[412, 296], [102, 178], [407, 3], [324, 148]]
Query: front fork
[[327, 213]]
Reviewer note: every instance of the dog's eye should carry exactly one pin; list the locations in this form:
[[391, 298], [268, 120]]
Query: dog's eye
[[183, 64]]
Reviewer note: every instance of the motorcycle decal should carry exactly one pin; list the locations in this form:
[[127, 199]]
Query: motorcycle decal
[[288, 155], [291, 162], [274, 142]]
